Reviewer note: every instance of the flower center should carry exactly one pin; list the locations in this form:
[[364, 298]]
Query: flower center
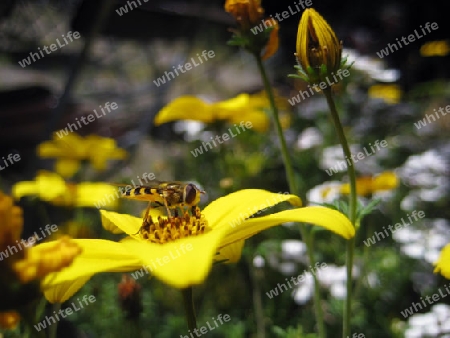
[[170, 229]]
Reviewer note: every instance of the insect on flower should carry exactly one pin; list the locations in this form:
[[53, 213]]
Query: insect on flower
[[171, 195]]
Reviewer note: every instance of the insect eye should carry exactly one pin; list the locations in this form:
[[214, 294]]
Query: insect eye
[[190, 193]]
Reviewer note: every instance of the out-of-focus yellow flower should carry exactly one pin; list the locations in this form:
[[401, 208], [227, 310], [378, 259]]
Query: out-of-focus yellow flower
[[9, 320], [318, 49], [369, 185], [71, 149], [190, 243], [52, 188], [22, 265], [244, 107], [435, 48], [390, 93], [246, 12], [442, 265]]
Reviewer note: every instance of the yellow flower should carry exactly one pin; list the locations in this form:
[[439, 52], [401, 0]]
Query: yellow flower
[[318, 49], [368, 185], [389, 93], [435, 48], [52, 188], [242, 108], [22, 265], [71, 149], [180, 251], [246, 12], [442, 265]]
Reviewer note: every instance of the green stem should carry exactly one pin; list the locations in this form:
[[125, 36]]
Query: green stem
[[53, 328], [189, 308], [276, 119], [352, 211], [293, 188]]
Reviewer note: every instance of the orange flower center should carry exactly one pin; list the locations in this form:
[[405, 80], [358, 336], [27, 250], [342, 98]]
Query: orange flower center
[[170, 229]]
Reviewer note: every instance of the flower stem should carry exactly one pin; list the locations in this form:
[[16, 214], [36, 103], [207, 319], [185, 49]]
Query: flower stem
[[293, 188], [189, 308], [352, 211], [53, 329]]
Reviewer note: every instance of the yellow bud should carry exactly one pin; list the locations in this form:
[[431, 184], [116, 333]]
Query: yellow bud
[[9, 320], [246, 12], [317, 44]]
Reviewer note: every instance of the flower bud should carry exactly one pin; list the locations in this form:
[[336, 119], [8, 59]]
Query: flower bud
[[318, 49], [246, 12]]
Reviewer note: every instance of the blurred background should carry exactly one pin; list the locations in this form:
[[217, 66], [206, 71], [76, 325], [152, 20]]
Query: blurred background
[[126, 46]]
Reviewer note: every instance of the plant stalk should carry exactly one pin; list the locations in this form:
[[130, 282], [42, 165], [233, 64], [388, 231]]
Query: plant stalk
[[189, 309], [293, 188], [352, 212]]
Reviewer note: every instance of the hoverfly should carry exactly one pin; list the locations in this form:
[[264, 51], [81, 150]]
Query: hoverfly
[[171, 195]]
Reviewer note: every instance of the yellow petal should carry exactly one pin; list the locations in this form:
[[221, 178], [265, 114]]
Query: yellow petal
[[121, 223], [327, 218], [387, 180], [258, 119], [442, 265], [91, 194], [182, 263], [59, 293], [390, 93], [272, 44], [48, 186], [184, 108], [233, 209], [97, 256], [230, 253], [67, 167]]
